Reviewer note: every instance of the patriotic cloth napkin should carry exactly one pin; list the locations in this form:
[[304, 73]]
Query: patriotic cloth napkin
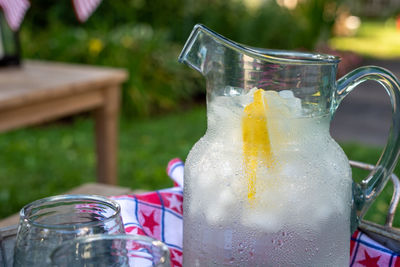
[[159, 215], [364, 251]]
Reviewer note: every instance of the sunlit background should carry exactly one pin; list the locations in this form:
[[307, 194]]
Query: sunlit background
[[163, 110]]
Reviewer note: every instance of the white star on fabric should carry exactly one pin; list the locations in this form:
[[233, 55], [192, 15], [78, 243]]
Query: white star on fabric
[[174, 202]]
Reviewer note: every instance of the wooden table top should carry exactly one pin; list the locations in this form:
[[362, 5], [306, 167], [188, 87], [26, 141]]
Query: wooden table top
[[36, 80]]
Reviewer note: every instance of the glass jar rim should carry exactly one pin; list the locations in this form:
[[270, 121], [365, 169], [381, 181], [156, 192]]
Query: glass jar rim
[[24, 213]]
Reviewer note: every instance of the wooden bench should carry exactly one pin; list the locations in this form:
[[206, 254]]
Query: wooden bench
[[40, 91]]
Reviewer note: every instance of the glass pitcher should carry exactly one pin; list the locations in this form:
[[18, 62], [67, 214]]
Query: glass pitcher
[[267, 185]]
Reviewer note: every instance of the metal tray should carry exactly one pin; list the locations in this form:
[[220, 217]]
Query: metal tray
[[386, 234]]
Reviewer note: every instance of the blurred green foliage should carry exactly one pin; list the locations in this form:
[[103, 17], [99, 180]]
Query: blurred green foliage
[[48, 160], [146, 37]]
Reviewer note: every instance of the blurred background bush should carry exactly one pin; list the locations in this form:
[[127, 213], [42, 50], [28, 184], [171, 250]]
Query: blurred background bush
[[146, 37]]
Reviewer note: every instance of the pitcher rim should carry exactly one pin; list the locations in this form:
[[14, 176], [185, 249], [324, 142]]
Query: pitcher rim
[[295, 56], [281, 56]]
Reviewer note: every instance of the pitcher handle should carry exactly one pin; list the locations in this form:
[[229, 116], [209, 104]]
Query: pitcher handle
[[367, 190]]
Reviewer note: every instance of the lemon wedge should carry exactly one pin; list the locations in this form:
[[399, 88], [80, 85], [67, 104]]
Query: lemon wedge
[[256, 140]]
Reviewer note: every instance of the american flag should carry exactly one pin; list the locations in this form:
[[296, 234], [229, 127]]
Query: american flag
[[14, 11], [84, 8]]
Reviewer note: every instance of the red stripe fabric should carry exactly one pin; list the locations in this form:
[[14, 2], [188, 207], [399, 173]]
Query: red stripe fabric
[[14, 12], [85, 8]]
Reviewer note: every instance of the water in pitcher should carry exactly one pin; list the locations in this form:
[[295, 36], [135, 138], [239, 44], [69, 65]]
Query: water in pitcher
[[275, 182]]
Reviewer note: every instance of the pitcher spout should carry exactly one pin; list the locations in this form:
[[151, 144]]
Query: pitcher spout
[[233, 69], [203, 43], [198, 45]]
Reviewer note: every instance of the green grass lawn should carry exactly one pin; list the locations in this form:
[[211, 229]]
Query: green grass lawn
[[373, 39], [46, 160], [50, 159]]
